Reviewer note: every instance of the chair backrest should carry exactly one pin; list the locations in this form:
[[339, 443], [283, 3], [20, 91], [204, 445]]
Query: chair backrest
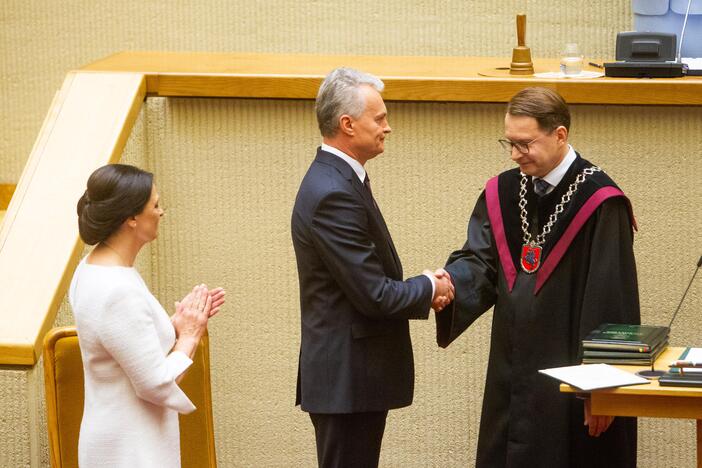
[[63, 375]]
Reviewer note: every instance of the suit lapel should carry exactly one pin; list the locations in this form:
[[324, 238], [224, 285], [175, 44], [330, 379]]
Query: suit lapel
[[380, 221], [374, 212]]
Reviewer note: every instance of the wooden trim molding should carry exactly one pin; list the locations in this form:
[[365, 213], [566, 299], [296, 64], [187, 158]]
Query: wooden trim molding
[[415, 78]]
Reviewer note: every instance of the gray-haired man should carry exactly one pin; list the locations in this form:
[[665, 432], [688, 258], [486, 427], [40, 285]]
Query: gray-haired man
[[356, 355]]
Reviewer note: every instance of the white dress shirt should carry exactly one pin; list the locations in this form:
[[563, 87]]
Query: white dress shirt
[[557, 173], [355, 165]]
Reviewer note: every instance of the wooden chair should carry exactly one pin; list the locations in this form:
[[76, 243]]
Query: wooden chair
[[6, 191], [63, 376]]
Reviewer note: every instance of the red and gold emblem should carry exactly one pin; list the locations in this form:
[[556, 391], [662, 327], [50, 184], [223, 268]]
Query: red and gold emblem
[[531, 257]]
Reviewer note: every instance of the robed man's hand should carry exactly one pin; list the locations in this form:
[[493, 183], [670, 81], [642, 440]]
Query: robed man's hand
[[596, 424]]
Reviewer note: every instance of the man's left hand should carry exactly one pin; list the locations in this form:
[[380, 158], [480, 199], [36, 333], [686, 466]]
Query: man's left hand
[[596, 424]]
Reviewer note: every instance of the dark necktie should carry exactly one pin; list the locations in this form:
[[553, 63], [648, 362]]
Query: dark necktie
[[541, 186], [367, 185]]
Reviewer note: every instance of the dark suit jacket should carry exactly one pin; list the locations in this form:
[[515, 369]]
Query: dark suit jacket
[[355, 353]]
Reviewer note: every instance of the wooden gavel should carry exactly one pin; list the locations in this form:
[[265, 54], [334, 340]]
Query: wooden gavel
[[521, 55]]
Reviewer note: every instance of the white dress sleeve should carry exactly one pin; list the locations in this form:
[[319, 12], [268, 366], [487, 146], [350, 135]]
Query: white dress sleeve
[[128, 333]]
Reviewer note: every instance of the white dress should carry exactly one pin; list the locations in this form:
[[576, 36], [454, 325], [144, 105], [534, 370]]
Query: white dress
[[130, 416]]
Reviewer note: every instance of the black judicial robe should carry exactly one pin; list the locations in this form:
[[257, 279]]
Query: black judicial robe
[[587, 276]]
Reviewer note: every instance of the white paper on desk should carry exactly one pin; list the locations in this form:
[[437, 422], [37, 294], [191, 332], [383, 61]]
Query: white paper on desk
[[593, 376]]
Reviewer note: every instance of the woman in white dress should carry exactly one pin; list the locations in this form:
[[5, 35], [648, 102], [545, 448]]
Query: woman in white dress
[[133, 353]]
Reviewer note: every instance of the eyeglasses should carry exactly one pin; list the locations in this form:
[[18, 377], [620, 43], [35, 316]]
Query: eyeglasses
[[523, 148]]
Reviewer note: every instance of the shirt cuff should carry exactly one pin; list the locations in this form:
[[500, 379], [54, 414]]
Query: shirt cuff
[[433, 284]]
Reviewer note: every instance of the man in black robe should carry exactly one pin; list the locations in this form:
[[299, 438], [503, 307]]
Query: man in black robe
[[550, 285]]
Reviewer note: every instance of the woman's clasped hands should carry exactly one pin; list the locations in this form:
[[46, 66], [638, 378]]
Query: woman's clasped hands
[[195, 309]]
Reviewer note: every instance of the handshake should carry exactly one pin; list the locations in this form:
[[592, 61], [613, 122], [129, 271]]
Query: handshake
[[444, 291]]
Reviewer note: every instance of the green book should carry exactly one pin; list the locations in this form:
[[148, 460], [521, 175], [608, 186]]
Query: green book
[[627, 358], [628, 354], [618, 362], [624, 337]]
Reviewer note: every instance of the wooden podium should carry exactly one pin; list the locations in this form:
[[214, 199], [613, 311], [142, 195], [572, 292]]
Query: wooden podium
[[650, 400]]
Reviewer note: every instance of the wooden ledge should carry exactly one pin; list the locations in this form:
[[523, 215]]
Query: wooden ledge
[[86, 127], [407, 78]]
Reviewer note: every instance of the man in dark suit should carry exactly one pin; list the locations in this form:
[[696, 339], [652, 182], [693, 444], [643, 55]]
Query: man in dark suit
[[356, 355]]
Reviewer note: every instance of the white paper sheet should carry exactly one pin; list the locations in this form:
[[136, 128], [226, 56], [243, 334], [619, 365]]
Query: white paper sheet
[[593, 376]]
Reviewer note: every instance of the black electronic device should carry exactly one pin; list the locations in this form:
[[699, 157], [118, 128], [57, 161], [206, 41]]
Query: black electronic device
[[635, 46], [645, 69], [680, 380], [645, 55]]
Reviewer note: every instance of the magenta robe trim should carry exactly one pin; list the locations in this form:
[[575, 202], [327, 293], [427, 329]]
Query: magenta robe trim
[[559, 250], [578, 221], [498, 230]]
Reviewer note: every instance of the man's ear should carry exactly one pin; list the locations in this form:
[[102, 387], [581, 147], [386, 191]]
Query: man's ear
[[346, 124], [562, 134]]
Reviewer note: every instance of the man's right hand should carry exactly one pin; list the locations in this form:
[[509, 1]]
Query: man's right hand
[[444, 291]]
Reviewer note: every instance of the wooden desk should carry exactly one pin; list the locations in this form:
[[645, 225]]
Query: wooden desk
[[650, 400]]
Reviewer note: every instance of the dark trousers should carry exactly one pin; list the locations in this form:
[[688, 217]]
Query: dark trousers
[[349, 440]]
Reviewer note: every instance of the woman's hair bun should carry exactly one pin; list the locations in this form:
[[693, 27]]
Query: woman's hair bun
[[115, 193]]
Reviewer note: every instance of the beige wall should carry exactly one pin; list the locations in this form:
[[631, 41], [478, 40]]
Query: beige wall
[[228, 171], [43, 39]]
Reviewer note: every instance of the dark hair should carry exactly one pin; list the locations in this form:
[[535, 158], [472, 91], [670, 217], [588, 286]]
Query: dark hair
[[115, 192], [546, 106]]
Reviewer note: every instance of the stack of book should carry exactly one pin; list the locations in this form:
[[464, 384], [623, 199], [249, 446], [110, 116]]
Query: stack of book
[[614, 343]]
